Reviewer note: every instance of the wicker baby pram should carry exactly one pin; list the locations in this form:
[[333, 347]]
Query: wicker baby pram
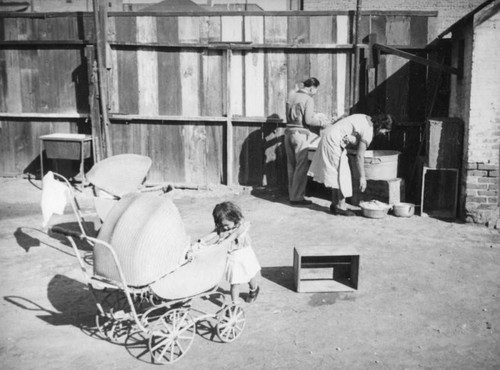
[[142, 282]]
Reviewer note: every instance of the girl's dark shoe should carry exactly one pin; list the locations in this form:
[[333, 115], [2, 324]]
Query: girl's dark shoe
[[252, 295]]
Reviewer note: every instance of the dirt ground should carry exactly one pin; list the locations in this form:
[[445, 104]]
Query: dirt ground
[[428, 295]]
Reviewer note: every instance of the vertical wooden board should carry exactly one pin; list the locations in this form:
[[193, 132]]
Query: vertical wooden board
[[364, 29], [398, 30], [167, 153], [3, 81], [276, 69], [378, 27], [119, 134], [2, 29], [212, 84], [213, 79], [210, 29], [169, 76], [6, 148], [215, 151], [128, 93], [248, 154], [214, 29], [25, 29], [418, 31], [254, 68], [189, 30], [276, 84], [125, 28], [147, 67], [397, 78], [342, 65], [232, 30], [298, 62], [28, 61], [114, 83], [275, 30], [167, 29], [321, 63], [111, 35], [194, 136], [10, 31], [48, 80], [417, 91], [66, 97], [13, 101]]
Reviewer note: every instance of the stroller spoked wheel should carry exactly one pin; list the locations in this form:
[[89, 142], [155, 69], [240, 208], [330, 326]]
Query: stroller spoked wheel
[[171, 336], [231, 322]]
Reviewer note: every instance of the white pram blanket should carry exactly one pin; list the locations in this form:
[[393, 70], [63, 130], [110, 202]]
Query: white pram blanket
[[54, 197]]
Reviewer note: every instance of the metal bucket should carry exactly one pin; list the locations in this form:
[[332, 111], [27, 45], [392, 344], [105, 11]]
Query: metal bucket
[[379, 164]]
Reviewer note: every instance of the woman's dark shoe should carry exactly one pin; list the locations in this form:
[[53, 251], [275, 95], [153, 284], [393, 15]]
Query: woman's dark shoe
[[341, 212], [252, 295], [303, 202]]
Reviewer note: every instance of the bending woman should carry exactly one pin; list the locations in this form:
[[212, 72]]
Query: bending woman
[[330, 165]]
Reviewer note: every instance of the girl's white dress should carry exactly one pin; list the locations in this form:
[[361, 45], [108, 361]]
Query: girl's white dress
[[242, 263]]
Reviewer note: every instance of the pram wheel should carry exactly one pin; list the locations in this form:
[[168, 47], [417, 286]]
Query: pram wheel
[[231, 322], [171, 336], [114, 321]]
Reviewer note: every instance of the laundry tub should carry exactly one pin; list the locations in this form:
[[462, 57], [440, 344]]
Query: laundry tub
[[379, 164]]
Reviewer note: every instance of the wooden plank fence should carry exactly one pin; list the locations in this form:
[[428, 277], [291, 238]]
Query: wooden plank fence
[[202, 94]]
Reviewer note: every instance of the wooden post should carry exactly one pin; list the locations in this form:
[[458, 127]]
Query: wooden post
[[94, 102], [355, 79], [101, 21], [229, 123]]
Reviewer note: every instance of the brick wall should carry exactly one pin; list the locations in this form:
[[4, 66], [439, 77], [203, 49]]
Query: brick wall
[[483, 142], [449, 11]]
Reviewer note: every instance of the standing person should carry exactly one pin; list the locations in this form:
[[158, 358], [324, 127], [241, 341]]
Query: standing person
[[330, 165], [242, 264], [300, 117]]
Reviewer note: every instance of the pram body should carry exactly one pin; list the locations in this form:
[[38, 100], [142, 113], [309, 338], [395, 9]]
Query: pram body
[[142, 281]]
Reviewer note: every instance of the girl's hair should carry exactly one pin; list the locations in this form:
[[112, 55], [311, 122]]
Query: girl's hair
[[226, 211], [382, 121], [311, 82]]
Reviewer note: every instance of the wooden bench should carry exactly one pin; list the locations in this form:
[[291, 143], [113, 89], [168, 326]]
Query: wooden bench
[[325, 269]]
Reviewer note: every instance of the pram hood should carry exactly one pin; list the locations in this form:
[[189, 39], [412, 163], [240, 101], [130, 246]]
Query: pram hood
[[120, 174], [148, 235]]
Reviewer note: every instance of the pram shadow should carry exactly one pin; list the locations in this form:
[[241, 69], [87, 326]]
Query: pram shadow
[[281, 275], [69, 299], [29, 237]]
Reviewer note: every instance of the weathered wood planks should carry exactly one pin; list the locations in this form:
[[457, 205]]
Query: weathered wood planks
[[193, 82]]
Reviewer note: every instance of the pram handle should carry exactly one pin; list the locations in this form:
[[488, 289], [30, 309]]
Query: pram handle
[[66, 232]]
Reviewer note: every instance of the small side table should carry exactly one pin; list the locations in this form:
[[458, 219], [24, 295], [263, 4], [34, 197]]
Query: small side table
[[325, 269], [76, 147]]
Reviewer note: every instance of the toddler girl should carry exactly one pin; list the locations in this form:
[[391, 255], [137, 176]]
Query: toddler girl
[[242, 264]]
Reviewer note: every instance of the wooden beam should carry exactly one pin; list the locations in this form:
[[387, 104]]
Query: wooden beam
[[422, 13], [137, 117], [44, 116], [232, 46], [430, 63]]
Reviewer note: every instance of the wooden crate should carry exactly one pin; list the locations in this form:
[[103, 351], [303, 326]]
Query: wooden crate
[[444, 142], [439, 192], [325, 269]]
